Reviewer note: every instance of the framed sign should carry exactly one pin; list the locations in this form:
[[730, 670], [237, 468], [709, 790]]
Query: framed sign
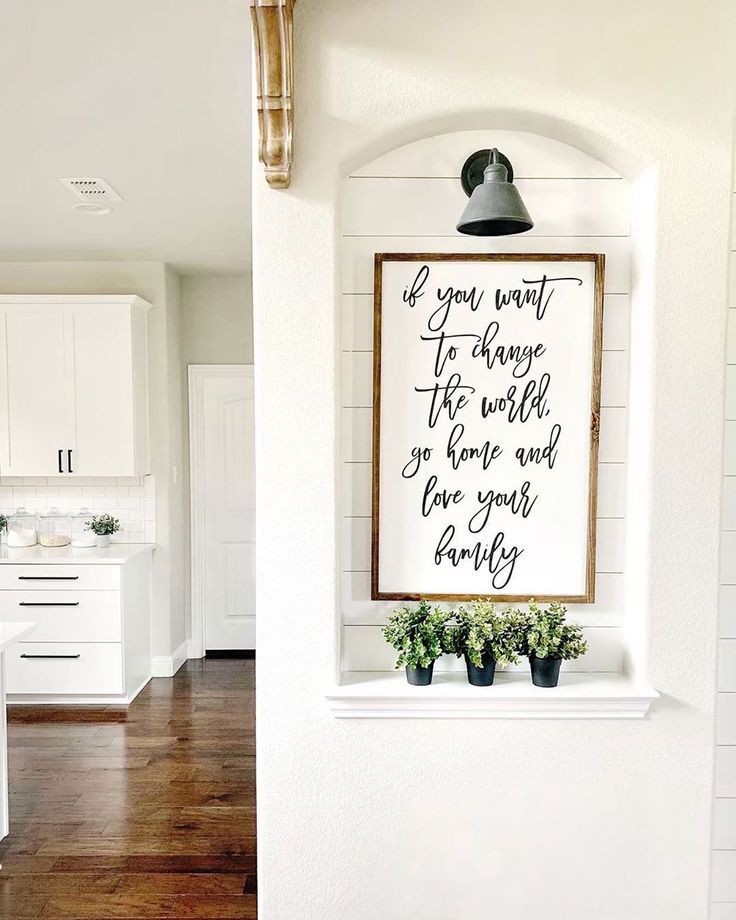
[[486, 400]]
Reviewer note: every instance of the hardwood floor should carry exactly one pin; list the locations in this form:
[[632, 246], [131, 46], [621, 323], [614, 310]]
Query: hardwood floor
[[144, 813]]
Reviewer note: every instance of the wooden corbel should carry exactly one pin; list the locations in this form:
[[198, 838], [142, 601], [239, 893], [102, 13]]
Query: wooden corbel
[[272, 45]]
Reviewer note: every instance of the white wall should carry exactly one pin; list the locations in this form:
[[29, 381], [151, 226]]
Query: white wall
[[406, 819], [216, 328], [156, 283], [217, 319]]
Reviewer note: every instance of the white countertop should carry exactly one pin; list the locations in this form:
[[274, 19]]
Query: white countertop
[[115, 554], [10, 633]]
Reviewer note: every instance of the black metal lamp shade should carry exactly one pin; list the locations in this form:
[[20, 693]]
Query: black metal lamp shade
[[495, 207]]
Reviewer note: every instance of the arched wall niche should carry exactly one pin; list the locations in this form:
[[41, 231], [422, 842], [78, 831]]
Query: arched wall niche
[[598, 146], [408, 199]]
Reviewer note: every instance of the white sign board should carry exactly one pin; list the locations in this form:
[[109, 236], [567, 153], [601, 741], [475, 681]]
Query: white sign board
[[486, 396]]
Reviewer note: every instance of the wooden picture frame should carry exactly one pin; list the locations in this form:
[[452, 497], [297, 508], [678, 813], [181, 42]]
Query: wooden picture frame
[[587, 595]]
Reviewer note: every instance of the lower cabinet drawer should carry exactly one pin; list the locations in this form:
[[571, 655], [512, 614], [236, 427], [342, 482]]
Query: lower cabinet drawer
[[44, 576], [66, 616], [64, 667]]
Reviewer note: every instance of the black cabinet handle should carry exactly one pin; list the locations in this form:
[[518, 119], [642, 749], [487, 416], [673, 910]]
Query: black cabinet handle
[[69, 462], [48, 604], [61, 468], [49, 656], [48, 577]]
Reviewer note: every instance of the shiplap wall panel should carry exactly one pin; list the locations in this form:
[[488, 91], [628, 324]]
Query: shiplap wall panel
[[357, 254], [725, 776], [730, 392], [357, 322], [728, 503], [360, 610], [724, 824], [729, 449], [731, 337], [727, 665], [432, 207], [727, 612], [356, 491], [532, 157], [412, 204], [723, 879], [726, 718], [356, 546], [724, 911], [365, 649], [728, 557], [357, 379], [356, 435]]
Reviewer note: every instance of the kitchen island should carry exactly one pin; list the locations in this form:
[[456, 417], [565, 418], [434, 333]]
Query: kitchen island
[[10, 633]]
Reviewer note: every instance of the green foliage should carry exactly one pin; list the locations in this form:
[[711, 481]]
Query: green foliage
[[417, 634], [550, 636], [103, 525], [481, 630], [3, 523]]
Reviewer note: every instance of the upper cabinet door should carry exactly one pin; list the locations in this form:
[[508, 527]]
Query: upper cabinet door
[[108, 418], [34, 391], [73, 386]]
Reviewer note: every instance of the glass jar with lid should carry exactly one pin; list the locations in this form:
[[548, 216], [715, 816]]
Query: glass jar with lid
[[22, 528], [81, 535], [55, 528]]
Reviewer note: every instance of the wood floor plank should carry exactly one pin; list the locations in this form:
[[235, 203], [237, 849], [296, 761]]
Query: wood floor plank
[[147, 813]]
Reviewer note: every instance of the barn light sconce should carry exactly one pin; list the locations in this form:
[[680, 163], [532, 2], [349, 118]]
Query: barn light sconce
[[495, 207]]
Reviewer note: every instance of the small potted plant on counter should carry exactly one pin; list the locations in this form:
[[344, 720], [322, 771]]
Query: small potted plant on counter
[[418, 635], [3, 528], [486, 639], [550, 640], [103, 525]]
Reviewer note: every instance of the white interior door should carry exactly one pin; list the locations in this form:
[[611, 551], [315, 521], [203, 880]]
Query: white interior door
[[223, 505]]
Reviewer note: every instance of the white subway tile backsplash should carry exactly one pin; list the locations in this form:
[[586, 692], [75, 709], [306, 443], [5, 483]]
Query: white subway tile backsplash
[[132, 501]]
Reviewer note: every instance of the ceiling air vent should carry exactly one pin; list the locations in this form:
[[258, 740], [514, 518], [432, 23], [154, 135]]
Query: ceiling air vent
[[86, 188]]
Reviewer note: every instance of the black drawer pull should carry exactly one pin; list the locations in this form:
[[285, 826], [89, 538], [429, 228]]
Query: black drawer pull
[[48, 604], [49, 656], [48, 578]]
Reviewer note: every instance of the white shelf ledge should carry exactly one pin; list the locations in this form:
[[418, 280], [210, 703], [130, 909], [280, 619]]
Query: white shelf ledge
[[387, 695]]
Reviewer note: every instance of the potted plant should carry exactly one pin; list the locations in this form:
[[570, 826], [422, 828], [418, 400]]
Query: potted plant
[[103, 525], [550, 640], [486, 639], [418, 635], [3, 527]]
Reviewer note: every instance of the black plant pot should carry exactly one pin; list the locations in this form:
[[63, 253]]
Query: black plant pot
[[481, 676], [545, 671], [420, 677]]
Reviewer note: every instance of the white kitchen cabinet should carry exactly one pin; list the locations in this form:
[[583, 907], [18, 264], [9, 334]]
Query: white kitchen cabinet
[[92, 638], [73, 386]]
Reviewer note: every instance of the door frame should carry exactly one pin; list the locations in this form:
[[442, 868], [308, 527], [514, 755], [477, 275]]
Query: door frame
[[198, 374]]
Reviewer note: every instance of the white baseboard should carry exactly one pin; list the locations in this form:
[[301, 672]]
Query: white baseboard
[[194, 650], [167, 666]]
